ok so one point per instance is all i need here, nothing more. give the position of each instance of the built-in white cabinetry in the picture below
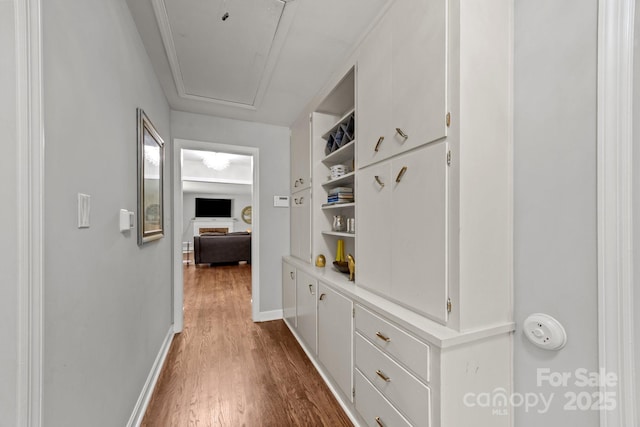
(300, 200)
(306, 297)
(289, 294)
(402, 236)
(429, 88)
(300, 156)
(402, 81)
(335, 334)
(300, 233)
(387, 357)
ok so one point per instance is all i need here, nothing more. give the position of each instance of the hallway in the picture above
(225, 370)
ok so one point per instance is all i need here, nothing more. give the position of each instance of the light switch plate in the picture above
(126, 220)
(84, 210)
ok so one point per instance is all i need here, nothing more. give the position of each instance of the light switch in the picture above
(84, 210)
(126, 220)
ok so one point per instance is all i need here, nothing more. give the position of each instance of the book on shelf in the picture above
(339, 199)
(339, 190)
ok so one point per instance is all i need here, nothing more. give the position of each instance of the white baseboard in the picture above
(145, 396)
(266, 316)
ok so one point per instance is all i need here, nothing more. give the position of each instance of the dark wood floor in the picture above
(225, 370)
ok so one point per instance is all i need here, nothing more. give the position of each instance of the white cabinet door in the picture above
(402, 81)
(335, 332)
(418, 258)
(373, 107)
(373, 227)
(419, 80)
(300, 237)
(402, 231)
(289, 294)
(300, 156)
(306, 291)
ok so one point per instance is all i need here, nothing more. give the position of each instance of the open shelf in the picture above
(347, 178)
(338, 205)
(342, 154)
(342, 119)
(338, 233)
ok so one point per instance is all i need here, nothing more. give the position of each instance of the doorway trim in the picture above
(30, 209)
(178, 280)
(614, 204)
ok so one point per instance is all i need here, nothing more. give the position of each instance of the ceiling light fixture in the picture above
(216, 161)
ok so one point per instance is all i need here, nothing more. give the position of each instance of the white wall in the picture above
(107, 301)
(555, 194)
(273, 143)
(239, 201)
(8, 217)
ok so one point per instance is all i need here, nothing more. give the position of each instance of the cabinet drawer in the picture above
(406, 349)
(373, 407)
(403, 390)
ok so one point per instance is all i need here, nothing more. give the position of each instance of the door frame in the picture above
(178, 280)
(614, 205)
(30, 210)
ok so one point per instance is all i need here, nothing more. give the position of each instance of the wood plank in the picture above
(225, 370)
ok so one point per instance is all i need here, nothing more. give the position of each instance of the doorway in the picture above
(183, 232)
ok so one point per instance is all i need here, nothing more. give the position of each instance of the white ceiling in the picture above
(197, 178)
(263, 63)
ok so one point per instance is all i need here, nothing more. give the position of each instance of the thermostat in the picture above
(280, 201)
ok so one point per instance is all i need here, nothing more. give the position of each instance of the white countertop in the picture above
(427, 329)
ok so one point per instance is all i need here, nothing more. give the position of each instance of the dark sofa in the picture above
(211, 248)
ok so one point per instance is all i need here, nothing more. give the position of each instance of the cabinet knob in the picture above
(291, 274)
(380, 183)
(383, 376)
(401, 173)
(296, 183)
(401, 133)
(311, 290)
(301, 200)
(322, 296)
(301, 181)
(379, 422)
(378, 144)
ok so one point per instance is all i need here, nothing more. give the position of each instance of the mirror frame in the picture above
(145, 127)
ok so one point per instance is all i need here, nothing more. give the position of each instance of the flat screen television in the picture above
(213, 208)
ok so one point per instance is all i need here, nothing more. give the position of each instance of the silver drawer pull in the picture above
(301, 199)
(401, 133)
(380, 183)
(311, 290)
(322, 296)
(297, 182)
(291, 274)
(383, 376)
(378, 144)
(301, 181)
(379, 421)
(383, 337)
(401, 173)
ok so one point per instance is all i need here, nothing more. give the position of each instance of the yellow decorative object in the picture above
(321, 261)
(352, 267)
(340, 251)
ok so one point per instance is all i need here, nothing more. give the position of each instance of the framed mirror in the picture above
(150, 181)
